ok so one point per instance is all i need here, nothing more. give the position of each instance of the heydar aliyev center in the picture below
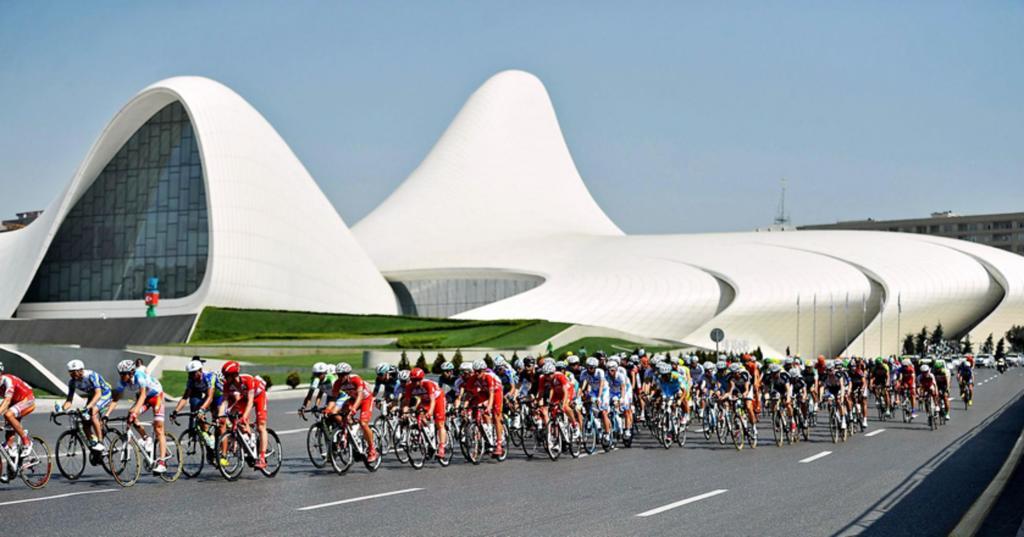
(190, 184)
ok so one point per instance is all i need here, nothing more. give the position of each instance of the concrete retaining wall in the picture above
(98, 333)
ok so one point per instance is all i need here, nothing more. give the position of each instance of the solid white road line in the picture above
(877, 431)
(292, 431)
(816, 457)
(359, 499)
(58, 496)
(681, 503)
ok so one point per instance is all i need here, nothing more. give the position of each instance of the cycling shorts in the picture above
(195, 402)
(834, 390)
(23, 408)
(439, 409)
(365, 411)
(259, 405)
(156, 403)
(600, 400)
(625, 401)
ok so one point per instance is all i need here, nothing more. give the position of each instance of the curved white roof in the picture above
(275, 240)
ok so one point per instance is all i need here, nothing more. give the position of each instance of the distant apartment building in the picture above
(22, 220)
(1005, 231)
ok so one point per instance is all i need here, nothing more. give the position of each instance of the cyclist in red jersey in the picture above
(360, 400)
(755, 375)
(927, 384)
(17, 402)
(431, 398)
(907, 382)
(245, 393)
(489, 393)
(555, 388)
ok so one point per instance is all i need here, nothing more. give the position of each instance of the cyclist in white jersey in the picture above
(150, 396)
(594, 384)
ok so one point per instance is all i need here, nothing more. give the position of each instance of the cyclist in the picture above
(965, 374)
(90, 385)
(879, 382)
(810, 376)
(835, 389)
(386, 383)
(942, 383)
(356, 400)
(927, 385)
(555, 388)
(489, 394)
(741, 388)
(619, 387)
(907, 382)
(244, 393)
(16, 401)
(447, 381)
(595, 386)
(671, 386)
(321, 384)
(431, 400)
(858, 374)
(150, 396)
(800, 388)
(204, 392)
(779, 385)
(754, 370)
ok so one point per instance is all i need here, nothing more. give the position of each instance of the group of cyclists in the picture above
(627, 389)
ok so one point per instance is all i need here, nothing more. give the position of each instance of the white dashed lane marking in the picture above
(813, 458)
(359, 499)
(681, 503)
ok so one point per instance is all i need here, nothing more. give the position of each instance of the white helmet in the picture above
(925, 368)
(319, 368)
(447, 366)
(479, 365)
(592, 362)
(76, 365)
(344, 368)
(466, 367)
(332, 369)
(664, 369)
(548, 368)
(572, 360)
(196, 365)
(499, 361)
(613, 363)
(383, 369)
(403, 375)
(126, 366)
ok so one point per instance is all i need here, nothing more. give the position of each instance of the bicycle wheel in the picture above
(37, 466)
(316, 445)
(382, 436)
(590, 436)
(515, 430)
(71, 454)
(575, 440)
(230, 456)
(193, 452)
(273, 454)
(736, 429)
(777, 428)
(552, 440)
(124, 459)
(722, 426)
(173, 460)
(400, 440)
(707, 422)
(416, 447)
(341, 456)
(530, 444)
(475, 440)
(750, 432)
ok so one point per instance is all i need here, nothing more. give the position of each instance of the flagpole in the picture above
(899, 315)
(863, 324)
(831, 314)
(814, 326)
(846, 322)
(798, 325)
(881, 326)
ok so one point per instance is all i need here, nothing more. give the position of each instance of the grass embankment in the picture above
(221, 325)
(276, 368)
(606, 344)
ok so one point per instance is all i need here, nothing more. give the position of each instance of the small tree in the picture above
(987, 347)
(489, 361)
(269, 381)
(1015, 337)
(293, 380)
(757, 352)
(908, 344)
(966, 346)
(457, 359)
(921, 342)
(1001, 349)
(403, 362)
(515, 356)
(438, 362)
(937, 334)
(421, 362)
(787, 351)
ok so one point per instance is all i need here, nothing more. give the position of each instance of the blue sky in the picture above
(681, 116)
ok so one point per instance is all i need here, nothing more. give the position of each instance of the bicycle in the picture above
(348, 445)
(965, 395)
(73, 447)
(390, 435)
(781, 424)
(883, 409)
(835, 420)
(34, 468)
(197, 446)
(127, 454)
(593, 428)
(318, 437)
(742, 427)
(930, 409)
(667, 426)
(478, 435)
(561, 434)
(616, 417)
(422, 443)
(533, 430)
(237, 449)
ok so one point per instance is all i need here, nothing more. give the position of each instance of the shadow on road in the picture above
(932, 499)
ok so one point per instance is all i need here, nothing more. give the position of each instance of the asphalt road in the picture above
(904, 480)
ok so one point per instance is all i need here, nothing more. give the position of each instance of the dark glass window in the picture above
(145, 215)
(444, 298)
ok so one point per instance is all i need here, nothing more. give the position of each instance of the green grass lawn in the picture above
(276, 368)
(221, 325)
(606, 344)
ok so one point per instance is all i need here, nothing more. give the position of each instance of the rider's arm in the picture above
(209, 397)
(7, 401)
(184, 399)
(71, 395)
(250, 398)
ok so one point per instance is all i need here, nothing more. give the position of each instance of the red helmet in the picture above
(416, 374)
(230, 368)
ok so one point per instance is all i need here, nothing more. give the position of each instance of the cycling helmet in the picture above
(709, 366)
(641, 352)
(231, 367)
(519, 364)
(721, 365)
(529, 361)
(403, 376)
(664, 369)
(466, 367)
(572, 360)
(634, 359)
(925, 368)
(798, 362)
(591, 362)
(906, 362)
(940, 364)
(479, 365)
(499, 361)
(561, 365)
(774, 368)
(383, 369)
(569, 353)
(76, 365)
(417, 374)
(794, 373)
(196, 365)
(612, 363)
(319, 368)
(830, 364)
(548, 368)
(332, 369)
(126, 366)
(344, 368)
(447, 366)
(734, 367)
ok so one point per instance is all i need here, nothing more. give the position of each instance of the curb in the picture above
(980, 509)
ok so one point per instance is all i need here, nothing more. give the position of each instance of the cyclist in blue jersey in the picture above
(595, 386)
(90, 385)
(204, 392)
(150, 395)
(619, 387)
(965, 375)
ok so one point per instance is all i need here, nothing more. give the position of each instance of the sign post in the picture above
(717, 335)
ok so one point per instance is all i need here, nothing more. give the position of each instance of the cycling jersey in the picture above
(941, 380)
(671, 386)
(325, 385)
(965, 371)
(596, 385)
(385, 385)
(141, 382)
(880, 374)
(353, 386)
(507, 377)
(779, 383)
(15, 388)
(197, 388)
(559, 385)
(927, 380)
(88, 384)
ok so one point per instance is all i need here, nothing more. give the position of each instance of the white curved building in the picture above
(190, 184)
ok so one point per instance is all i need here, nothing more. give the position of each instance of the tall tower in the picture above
(781, 218)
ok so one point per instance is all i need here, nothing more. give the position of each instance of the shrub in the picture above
(293, 380)
(403, 363)
(489, 361)
(270, 382)
(438, 362)
(457, 359)
(421, 362)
